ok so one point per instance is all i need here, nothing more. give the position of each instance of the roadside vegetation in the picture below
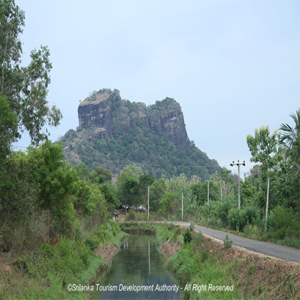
(202, 262)
(222, 212)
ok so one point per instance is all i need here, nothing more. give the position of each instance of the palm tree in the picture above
(290, 139)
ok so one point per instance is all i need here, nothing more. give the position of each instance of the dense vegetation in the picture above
(156, 156)
(41, 196)
(47, 272)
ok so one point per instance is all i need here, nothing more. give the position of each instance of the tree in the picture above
(128, 184)
(167, 203)
(24, 87)
(199, 191)
(82, 171)
(82, 202)
(145, 181)
(264, 150)
(290, 139)
(56, 183)
(100, 175)
(157, 191)
(109, 192)
(8, 127)
(129, 191)
(263, 146)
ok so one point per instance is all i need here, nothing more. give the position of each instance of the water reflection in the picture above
(137, 265)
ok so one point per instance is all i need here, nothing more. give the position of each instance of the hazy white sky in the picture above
(232, 65)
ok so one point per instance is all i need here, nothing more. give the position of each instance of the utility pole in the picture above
(148, 203)
(221, 194)
(208, 192)
(182, 206)
(267, 207)
(239, 188)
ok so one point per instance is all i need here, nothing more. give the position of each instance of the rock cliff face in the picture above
(105, 112)
(95, 112)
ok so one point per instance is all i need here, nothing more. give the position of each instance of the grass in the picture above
(193, 265)
(47, 272)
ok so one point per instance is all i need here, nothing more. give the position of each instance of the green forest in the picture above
(44, 197)
(140, 146)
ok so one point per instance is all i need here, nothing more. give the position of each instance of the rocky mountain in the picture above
(99, 111)
(113, 133)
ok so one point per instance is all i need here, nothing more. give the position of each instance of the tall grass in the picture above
(46, 272)
(196, 267)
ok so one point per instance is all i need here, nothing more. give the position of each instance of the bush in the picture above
(175, 234)
(204, 254)
(248, 215)
(223, 211)
(192, 226)
(92, 242)
(131, 216)
(227, 242)
(234, 218)
(219, 223)
(187, 236)
(198, 237)
(280, 221)
(171, 226)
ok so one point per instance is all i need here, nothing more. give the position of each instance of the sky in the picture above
(233, 66)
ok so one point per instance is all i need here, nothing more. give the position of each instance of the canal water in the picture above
(137, 272)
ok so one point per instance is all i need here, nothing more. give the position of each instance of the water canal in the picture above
(139, 265)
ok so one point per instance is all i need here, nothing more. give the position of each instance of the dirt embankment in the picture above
(168, 249)
(106, 252)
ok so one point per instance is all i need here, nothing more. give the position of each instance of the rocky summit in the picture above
(164, 117)
(113, 133)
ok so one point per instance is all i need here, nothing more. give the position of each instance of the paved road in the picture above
(282, 252)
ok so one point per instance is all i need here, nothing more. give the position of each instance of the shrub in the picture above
(171, 226)
(204, 255)
(223, 211)
(219, 223)
(131, 216)
(279, 222)
(248, 215)
(92, 242)
(192, 226)
(175, 234)
(234, 218)
(198, 237)
(187, 236)
(227, 242)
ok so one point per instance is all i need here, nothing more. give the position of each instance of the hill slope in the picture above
(113, 133)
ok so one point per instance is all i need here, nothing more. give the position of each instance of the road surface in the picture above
(269, 249)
